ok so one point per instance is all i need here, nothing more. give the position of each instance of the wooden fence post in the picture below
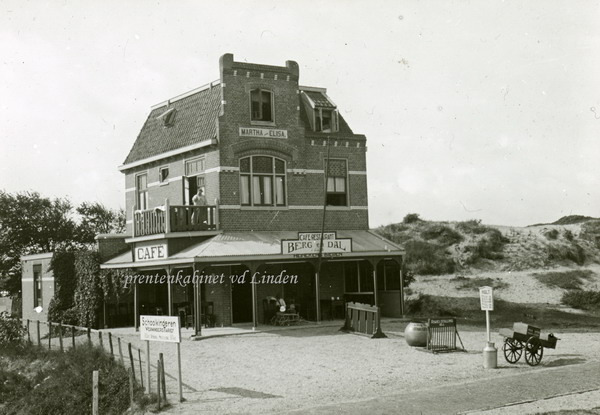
(121, 351)
(28, 334)
(162, 377)
(112, 352)
(60, 336)
(73, 336)
(49, 335)
(131, 360)
(100, 339)
(158, 382)
(141, 372)
(89, 335)
(131, 375)
(95, 393)
(39, 337)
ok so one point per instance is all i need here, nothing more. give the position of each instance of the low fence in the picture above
(363, 319)
(442, 335)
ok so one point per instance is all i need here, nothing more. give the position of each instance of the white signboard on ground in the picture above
(487, 298)
(160, 329)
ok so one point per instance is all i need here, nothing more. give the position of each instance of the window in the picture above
(388, 275)
(37, 285)
(163, 174)
(261, 105)
(168, 117)
(357, 279)
(262, 181)
(337, 194)
(194, 166)
(326, 120)
(142, 191)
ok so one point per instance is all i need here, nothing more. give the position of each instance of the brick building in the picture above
(231, 180)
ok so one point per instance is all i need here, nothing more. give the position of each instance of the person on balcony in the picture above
(198, 200)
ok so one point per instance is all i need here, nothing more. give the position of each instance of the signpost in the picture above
(162, 329)
(490, 356)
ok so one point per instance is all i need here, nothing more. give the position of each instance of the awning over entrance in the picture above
(271, 246)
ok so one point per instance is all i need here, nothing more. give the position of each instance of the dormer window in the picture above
(168, 117)
(323, 114)
(261, 105)
(326, 120)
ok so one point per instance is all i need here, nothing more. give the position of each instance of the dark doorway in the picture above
(241, 297)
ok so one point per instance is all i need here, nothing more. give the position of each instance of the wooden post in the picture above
(136, 317)
(131, 379)
(141, 372)
(100, 339)
(110, 344)
(158, 382)
(49, 335)
(39, 337)
(179, 381)
(318, 296)
(28, 334)
(131, 359)
(148, 366)
(121, 351)
(162, 376)
(60, 336)
(169, 292)
(73, 336)
(95, 392)
(89, 335)
(167, 216)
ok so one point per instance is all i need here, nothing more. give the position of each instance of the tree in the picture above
(95, 218)
(30, 224)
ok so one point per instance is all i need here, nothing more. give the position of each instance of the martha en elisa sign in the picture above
(262, 132)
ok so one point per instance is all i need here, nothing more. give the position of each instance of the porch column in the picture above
(399, 261)
(135, 306)
(197, 304)
(253, 267)
(378, 334)
(169, 292)
(318, 294)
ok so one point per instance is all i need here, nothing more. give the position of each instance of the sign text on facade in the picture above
(262, 132)
(308, 245)
(149, 252)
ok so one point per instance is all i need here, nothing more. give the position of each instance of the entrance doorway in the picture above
(241, 298)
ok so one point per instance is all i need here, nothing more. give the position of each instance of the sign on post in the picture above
(162, 329)
(487, 298)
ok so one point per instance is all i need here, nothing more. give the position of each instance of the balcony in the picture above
(167, 219)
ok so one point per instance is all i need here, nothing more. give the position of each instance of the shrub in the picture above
(412, 218)
(568, 280)
(568, 235)
(573, 252)
(425, 258)
(552, 234)
(445, 235)
(490, 246)
(591, 231)
(12, 332)
(472, 226)
(427, 305)
(586, 300)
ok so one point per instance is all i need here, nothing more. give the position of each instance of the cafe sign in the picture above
(308, 245)
(150, 252)
(262, 132)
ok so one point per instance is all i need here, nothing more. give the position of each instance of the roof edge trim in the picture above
(186, 94)
(171, 153)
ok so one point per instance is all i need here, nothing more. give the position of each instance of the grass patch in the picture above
(464, 283)
(568, 280)
(443, 234)
(37, 381)
(573, 252)
(584, 300)
(490, 246)
(428, 258)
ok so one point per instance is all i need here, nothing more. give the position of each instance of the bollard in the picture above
(490, 356)
(73, 336)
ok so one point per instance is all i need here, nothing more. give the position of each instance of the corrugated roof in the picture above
(194, 122)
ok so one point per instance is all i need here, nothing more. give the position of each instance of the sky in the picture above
(480, 109)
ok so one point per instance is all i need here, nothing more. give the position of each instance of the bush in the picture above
(552, 234)
(412, 218)
(425, 258)
(445, 235)
(573, 252)
(490, 246)
(427, 305)
(568, 235)
(568, 280)
(472, 226)
(586, 300)
(12, 333)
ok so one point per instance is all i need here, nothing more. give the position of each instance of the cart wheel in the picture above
(513, 349)
(533, 352)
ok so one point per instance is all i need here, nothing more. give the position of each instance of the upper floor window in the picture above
(37, 285)
(326, 120)
(163, 174)
(262, 181)
(337, 190)
(142, 191)
(194, 166)
(261, 105)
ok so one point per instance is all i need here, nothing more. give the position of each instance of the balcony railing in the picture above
(166, 219)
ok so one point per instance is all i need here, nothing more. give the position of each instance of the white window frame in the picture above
(252, 182)
(259, 121)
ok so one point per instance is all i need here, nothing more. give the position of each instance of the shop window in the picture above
(388, 276)
(337, 189)
(163, 174)
(261, 105)
(262, 181)
(357, 279)
(37, 285)
(142, 191)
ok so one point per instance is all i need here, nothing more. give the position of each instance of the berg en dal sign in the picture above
(308, 243)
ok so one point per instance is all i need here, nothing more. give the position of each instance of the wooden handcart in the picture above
(526, 339)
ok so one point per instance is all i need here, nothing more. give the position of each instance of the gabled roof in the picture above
(193, 121)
